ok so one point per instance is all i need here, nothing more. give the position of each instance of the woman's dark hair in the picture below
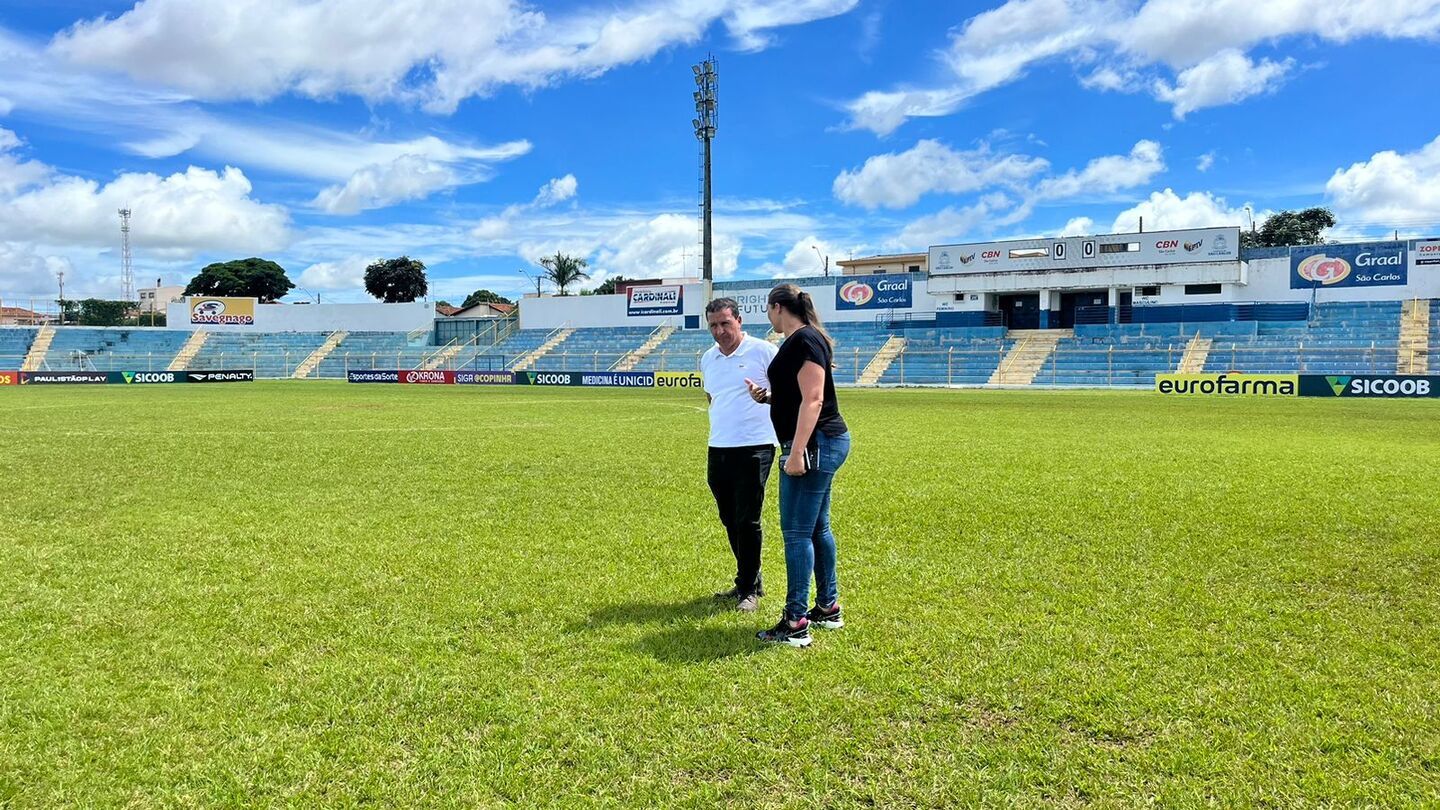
(797, 302)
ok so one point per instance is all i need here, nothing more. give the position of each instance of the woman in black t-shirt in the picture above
(814, 443)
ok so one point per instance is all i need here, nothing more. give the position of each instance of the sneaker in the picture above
(828, 618)
(748, 603)
(783, 632)
(735, 593)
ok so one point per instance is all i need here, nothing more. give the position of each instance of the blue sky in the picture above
(479, 135)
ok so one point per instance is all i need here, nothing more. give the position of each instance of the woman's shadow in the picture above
(683, 632)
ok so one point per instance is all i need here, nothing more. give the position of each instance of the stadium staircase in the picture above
(445, 356)
(661, 334)
(880, 363)
(1414, 356)
(1196, 352)
(311, 363)
(192, 347)
(555, 339)
(36, 356)
(1028, 356)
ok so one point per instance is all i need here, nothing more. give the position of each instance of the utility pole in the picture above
(61, 274)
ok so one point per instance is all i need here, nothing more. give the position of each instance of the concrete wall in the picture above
(375, 317)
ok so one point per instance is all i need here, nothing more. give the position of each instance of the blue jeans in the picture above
(805, 522)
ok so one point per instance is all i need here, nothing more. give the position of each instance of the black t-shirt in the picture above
(784, 373)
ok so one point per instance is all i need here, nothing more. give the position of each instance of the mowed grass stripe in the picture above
(330, 594)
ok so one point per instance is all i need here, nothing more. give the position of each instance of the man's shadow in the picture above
(681, 634)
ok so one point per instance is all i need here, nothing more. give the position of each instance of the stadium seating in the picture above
(14, 344)
(111, 348)
(1349, 337)
(270, 354)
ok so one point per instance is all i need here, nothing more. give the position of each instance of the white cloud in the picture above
(806, 258)
(1182, 33)
(993, 48)
(175, 216)
(1116, 40)
(896, 180)
(25, 273)
(557, 191)
(346, 274)
(952, 224)
(665, 245)
(1225, 78)
(17, 174)
(1205, 162)
(551, 194)
(1079, 226)
(408, 177)
(1107, 174)
(438, 52)
(1167, 211)
(1390, 189)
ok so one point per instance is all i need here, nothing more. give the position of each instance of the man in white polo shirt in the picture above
(742, 441)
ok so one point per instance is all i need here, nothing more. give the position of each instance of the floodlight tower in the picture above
(127, 273)
(707, 94)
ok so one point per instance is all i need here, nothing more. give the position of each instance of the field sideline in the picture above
(321, 594)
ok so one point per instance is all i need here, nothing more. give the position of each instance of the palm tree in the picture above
(562, 270)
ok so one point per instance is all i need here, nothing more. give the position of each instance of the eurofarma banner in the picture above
(9, 378)
(1370, 264)
(874, 292)
(656, 299)
(222, 311)
(1248, 385)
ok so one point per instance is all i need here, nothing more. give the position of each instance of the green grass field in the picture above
(319, 594)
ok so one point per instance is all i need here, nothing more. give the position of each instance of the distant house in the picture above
(483, 310)
(446, 310)
(16, 316)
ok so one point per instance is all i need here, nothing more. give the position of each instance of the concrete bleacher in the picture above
(948, 356)
(111, 348)
(14, 345)
(371, 350)
(1349, 337)
(683, 349)
(270, 354)
(596, 348)
(503, 354)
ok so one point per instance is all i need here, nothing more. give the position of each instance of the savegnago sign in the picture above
(222, 311)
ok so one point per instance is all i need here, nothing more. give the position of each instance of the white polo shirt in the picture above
(736, 420)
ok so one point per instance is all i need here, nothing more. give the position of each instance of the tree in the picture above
(607, 287)
(443, 304)
(69, 310)
(1290, 228)
(96, 312)
(484, 297)
(396, 281)
(562, 271)
(242, 278)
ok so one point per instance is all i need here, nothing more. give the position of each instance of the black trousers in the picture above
(737, 477)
